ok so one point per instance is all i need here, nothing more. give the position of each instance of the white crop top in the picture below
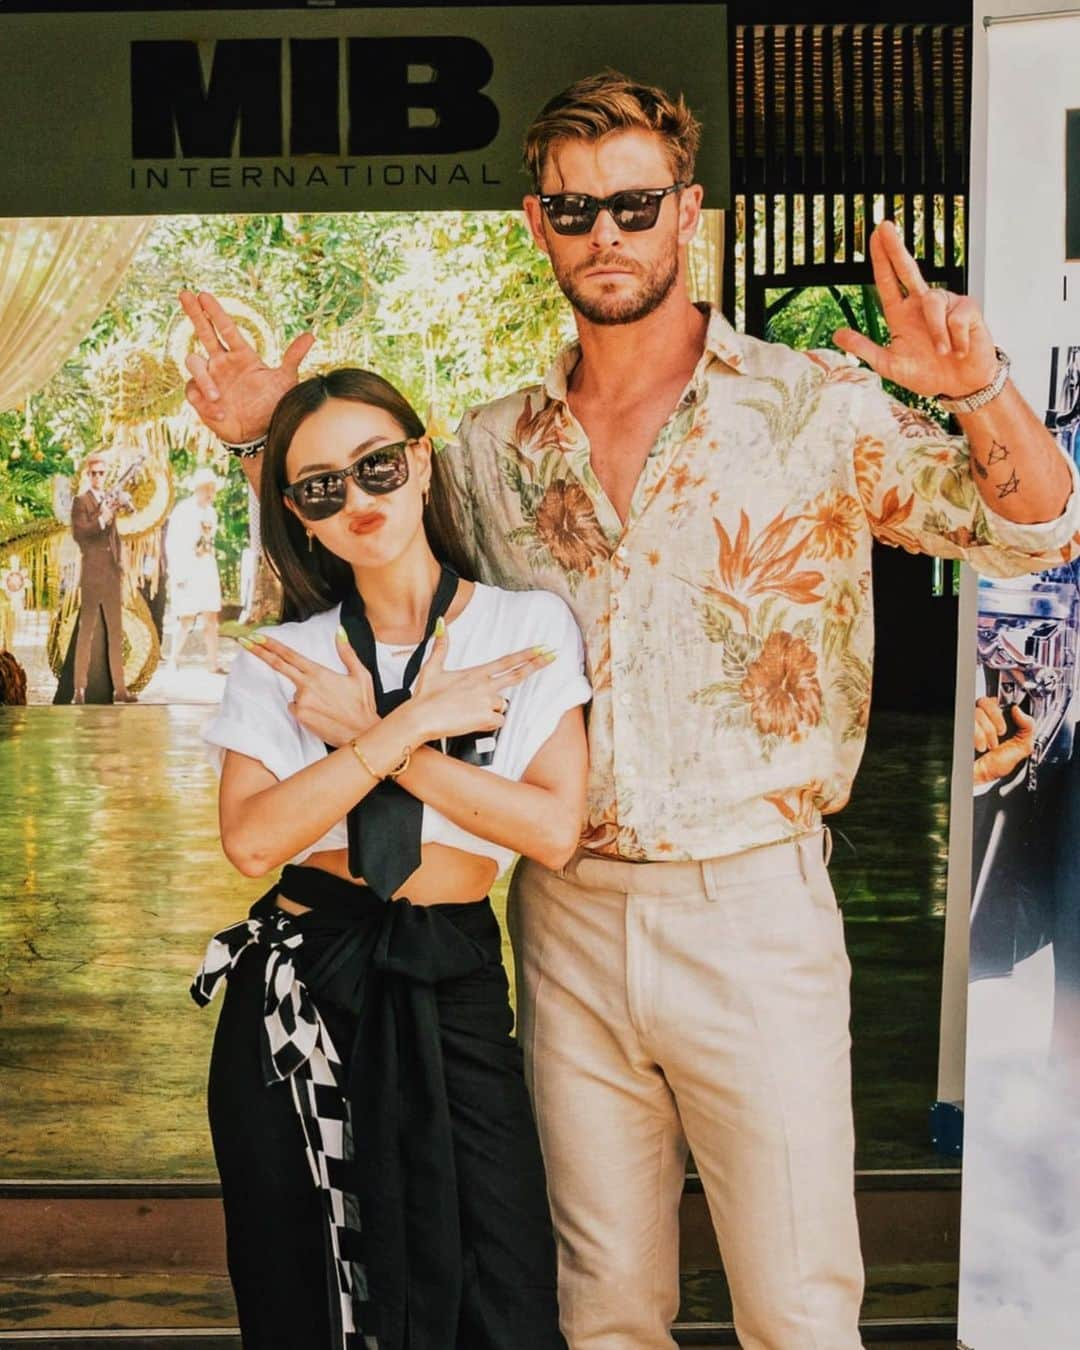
(254, 719)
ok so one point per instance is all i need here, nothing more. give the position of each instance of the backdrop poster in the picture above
(1020, 1238)
(379, 145)
(378, 108)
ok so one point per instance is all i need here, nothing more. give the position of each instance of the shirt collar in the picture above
(722, 343)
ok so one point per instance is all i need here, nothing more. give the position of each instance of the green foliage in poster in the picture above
(453, 307)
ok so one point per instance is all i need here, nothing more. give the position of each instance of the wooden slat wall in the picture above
(835, 125)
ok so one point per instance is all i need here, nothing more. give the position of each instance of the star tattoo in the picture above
(997, 453)
(1010, 485)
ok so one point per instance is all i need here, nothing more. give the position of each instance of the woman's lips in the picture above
(365, 524)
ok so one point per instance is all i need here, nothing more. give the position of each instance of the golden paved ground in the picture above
(111, 880)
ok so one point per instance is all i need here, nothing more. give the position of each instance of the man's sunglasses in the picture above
(322, 495)
(631, 210)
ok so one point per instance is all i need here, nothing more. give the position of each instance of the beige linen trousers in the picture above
(704, 1004)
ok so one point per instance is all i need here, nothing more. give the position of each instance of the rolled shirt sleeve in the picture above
(253, 719)
(917, 489)
(539, 703)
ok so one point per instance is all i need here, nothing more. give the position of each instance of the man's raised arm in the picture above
(940, 345)
(232, 389)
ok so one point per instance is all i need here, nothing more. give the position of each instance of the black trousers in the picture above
(274, 1216)
(101, 599)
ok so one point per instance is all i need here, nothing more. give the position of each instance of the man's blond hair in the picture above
(598, 105)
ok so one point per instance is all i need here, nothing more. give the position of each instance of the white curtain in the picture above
(56, 276)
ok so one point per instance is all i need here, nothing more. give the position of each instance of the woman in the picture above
(193, 570)
(367, 1021)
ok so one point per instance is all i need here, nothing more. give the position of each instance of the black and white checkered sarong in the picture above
(297, 1047)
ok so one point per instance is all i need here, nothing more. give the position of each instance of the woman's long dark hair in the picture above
(315, 580)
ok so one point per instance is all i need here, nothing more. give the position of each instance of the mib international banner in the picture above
(359, 109)
(1020, 1240)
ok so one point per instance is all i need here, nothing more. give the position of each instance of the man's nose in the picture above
(605, 233)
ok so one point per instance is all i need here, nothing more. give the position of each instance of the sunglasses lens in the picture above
(634, 210)
(384, 470)
(320, 496)
(571, 212)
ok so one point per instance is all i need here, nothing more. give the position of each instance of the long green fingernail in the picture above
(550, 656)
(440, 627)
(541, 651)
(246, 643)
(342, 636)
(257, 637)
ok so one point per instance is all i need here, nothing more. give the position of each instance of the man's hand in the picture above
(998, 757)
(232, 389)
(332, 706)
(939, 342)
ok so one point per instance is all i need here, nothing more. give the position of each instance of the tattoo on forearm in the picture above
(997, 453)
(980, 469)
(1010, 485)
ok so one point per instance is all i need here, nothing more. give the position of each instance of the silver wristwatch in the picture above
(981, 397)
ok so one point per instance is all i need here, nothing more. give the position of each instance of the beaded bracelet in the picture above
(246, 449)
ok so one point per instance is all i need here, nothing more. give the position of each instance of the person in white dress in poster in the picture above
(193, 571)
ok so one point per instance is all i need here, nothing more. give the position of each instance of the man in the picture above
(706, 503)
(93, 525)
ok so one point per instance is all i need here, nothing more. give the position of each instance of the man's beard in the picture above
(655, 286)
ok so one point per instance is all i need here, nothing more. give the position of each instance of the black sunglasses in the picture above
(322, 495)
(632, 209)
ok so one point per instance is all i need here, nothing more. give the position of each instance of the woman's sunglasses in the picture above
(632, 210)
(322, 495)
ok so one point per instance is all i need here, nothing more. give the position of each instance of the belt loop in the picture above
(707, 873)
(826, 843)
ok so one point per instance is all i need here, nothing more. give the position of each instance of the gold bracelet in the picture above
(364, 761)
(402, 764)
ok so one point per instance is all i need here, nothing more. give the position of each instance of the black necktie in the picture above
(384, 828)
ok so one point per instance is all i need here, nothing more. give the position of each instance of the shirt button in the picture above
(626, 699)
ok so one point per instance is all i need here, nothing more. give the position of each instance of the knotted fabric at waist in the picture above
(381, 1100)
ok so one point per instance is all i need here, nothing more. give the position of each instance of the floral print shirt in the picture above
(728, 625)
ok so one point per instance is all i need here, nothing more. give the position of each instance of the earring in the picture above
(426, 495)
(310, 542)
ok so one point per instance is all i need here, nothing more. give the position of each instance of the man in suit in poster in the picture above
(93, 526)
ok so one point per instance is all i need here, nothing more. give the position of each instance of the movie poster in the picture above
(355, 173)
(1020, 1248)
